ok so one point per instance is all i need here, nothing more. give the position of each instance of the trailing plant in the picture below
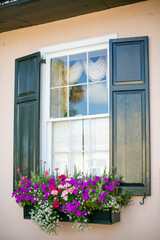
(75, 196)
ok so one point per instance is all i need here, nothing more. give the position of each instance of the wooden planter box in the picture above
(99, 217)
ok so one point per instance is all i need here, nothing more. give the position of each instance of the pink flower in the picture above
(18, 170)
(24, 177)
(44, 162)
(64, 193)
(60, 186)
(56, 169)
(70, 190)
(65, 198)
(46, 173)
(54, 192)
(67, 185)
(70, 176)
(40, 160)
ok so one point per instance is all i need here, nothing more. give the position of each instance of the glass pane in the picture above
(60, 142)
(97, 65)
(99, 161)
(86, 135)
(60, 160)
(98, 98)
(76, 160)
(58, 72)
(78, 100)
(76, 136)
(58, 102)
(77, 69)
(100, 134)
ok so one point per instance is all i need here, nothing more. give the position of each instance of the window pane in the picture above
(100, 134)
(76, 136)
(99, 160)
(58, 72)
(58, 102)
(60, 160)
(78, 100)
(97, 65)
(60, 137)
(98, 98)
(77, 69)
(76, 159)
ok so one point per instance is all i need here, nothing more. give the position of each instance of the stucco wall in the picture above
(141, 19)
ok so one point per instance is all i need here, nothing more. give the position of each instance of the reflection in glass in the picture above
(60, 160)
(99, 134)
(58, 102)
(97, 65)
(78, 100)
(98, 98)
(77, 69)
(58, 72)
(60, 133)
(99, 161)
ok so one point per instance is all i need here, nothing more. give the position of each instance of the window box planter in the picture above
(98, 217)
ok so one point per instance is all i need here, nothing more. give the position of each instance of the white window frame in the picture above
(47, 53)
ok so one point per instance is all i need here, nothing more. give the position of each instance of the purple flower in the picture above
(97, 202)
(78, 213)
(28, 182)
(85, 184)
(84, 213)
(74, 201)
(63, 207)
(43, 185)
(22, 197)
(109, 187)
(73, 208)
(68, 205)
(87, 191)
(68, 209)
(81, 186)
(94, 183)
(18, 200)
(105, 180)
(75, 191)
(104, 193)
(116, 182)
(93, 191)
(27, 198)
(36, 185)
(85, 196)
(78, 204)
(97, 178)
(102, 198)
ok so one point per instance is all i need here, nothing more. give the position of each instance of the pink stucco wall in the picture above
(141, 19)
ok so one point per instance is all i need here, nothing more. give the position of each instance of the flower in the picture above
(56, 169)
(40, 160)
(78, 213)
(18, 170)
(73, 196)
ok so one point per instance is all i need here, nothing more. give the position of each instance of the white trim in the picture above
(77, 44)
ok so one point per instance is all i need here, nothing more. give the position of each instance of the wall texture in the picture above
(141, 19)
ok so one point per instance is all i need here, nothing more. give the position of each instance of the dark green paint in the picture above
(27, 114)
(129, 111)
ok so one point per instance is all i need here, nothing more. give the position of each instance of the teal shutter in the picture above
(129, 113)
(26, 114)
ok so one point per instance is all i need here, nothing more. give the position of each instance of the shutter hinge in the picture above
(42, 60)
(144, 196)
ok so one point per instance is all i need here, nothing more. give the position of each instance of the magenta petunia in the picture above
(78, 213)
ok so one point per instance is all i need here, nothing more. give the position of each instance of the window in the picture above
(78, 125)
(77, 109)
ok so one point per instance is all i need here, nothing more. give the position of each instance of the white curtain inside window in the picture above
(96, 70)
